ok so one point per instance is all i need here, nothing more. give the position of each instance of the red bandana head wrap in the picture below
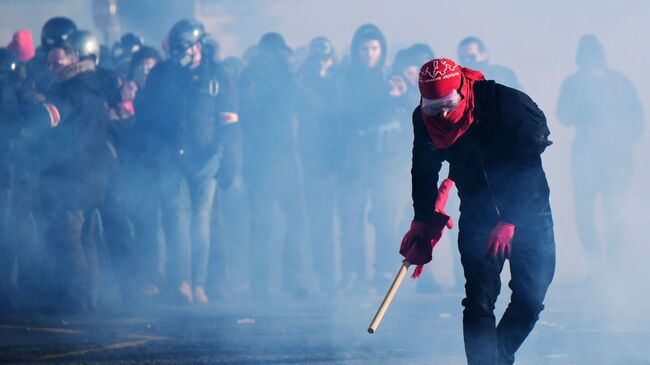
(439, 78)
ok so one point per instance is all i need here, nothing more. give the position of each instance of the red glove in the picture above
(417, 244)
(500, 240)
(441, 202)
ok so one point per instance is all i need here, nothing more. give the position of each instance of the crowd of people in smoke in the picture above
(114, 163)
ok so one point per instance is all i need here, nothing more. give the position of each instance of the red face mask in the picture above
(447, 105)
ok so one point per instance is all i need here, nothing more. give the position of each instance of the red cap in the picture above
(22, 45)
(439, 77)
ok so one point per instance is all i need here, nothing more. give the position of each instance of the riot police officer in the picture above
(54, 33)
(190, 105)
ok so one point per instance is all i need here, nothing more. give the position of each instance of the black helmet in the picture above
(126, 47)
(271, 42)
(321, 47)
(55, 32)
(85, 44)
(185, 34)
(8, 62)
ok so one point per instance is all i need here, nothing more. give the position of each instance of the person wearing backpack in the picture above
(493, 137)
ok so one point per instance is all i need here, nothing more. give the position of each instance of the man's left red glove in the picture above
(500, 240)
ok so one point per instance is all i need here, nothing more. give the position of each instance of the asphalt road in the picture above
(576, 328)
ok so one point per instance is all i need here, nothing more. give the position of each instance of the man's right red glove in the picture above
(417, 244)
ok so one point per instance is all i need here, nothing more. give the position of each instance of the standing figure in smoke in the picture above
(190, 105)
(54, 33)
(604, 108)
(270, 165)
(473, 53)
(366, 118)
(11, 249)
(318, 144)
(492, 136)
(138, 174)
(74, 161)
(115, 223)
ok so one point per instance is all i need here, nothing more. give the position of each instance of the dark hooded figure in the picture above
(406, 66)
(318, 142)
(604, 108)
(366, 124)
(473, 53)
(492, 136)
(271, 174)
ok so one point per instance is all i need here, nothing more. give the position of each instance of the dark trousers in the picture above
(320, 199)
(270, 183)
(71, 244)
(118, 236)
(532, 264)
(143, 210)
(609, 179)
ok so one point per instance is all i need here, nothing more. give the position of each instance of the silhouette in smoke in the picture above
(116, 226)
(604, 108)
(472, 53)
(405, 70)
(492, 136)
(134, 182)
(318, 142)
(271, 174)
(190, 104)
(366, 120)
(10, 120)
(73, 176)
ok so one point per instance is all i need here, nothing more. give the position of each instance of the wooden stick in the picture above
(389, 297)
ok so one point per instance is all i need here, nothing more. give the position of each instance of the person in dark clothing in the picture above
(138, 175)
(406, 66)
(317, 143)
(367, 124)
(605, 110)
(122, 52)
(9, 123)
(116, 232)
(492, 136)
(190, 106)
(19, 174)
(473, 53)
(53, 34)
(74, 160)
(271, 169)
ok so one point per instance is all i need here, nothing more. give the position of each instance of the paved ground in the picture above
(418, 329)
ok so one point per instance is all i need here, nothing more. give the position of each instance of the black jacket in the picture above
(181, 114)
(268, 93)
(74, 152)
(496, 164)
